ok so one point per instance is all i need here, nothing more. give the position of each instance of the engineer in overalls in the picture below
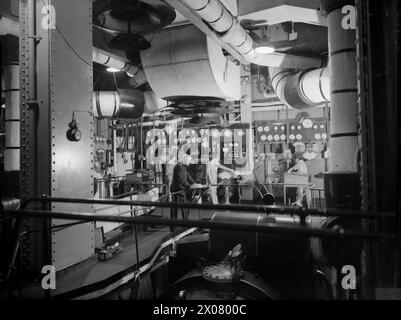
(182, 181)
(212, 168)
(170, 165)
(301, 168)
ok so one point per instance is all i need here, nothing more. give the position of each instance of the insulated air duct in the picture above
(121, 104)
(185, 62)
(301, 90)
(230, 31)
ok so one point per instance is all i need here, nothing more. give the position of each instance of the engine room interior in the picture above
(200, 150)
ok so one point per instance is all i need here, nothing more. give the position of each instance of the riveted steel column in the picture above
(56, 51)
(32, 245)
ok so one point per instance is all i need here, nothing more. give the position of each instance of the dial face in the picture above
(307, 123)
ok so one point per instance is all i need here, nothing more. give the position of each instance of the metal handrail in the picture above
(300, 230)
(265, 228)
(279, 210)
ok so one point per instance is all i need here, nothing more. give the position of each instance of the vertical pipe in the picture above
(344, 94)
(342, 183)
(12, 118)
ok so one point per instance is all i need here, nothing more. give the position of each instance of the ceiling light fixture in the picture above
(265, 48)
(111, 69)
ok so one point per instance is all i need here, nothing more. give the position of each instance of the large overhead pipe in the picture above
(342, 183)
(121, 104)
(230, 31)
(301, 90)
(108, 103)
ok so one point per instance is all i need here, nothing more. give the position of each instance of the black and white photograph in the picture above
(216, 151)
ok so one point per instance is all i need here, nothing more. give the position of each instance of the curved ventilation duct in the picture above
(230, 31)
(121, 104)
(185, 62)
(301, 90)
(137, 75)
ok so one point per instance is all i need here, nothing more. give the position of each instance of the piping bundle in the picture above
(185, 62)
(301, 90)
(230, 31)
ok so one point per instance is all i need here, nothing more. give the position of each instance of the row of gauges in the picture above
(293, 137)
(302, 131)
(292, 127)
(283, 137)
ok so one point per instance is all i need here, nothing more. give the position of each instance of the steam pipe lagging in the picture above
(229, 30)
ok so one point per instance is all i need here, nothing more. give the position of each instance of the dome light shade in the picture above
(111, 69)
